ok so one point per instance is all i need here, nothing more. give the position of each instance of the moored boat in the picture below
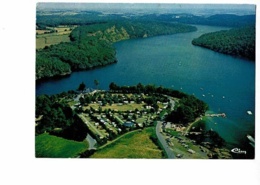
(250, 138)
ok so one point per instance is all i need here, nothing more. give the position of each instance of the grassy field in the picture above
(61, 35)
(50, 39)
(49, 146)
(133, 145)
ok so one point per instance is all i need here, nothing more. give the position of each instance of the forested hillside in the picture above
(56, 117)
(91, 46)
(238, 42)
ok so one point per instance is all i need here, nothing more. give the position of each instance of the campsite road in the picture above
(161, 138)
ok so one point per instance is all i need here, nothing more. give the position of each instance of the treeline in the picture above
(57, 118)
(81, 18)
(188, 109)
(238, 42)
(91, 46)
(228, 20)
(146, 89)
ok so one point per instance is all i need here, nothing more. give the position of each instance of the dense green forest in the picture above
(238, 42)
(57, 118)
(91, 46)
(188, 109)
(228, 20)
(86, 53)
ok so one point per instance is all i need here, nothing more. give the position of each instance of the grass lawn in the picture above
(141, 120)
(132, 145)
(49, 146)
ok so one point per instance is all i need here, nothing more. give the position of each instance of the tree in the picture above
(82, 86)
(183, 114)
(96, 82)
(113, 86)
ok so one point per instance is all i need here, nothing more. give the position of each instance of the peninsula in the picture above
(156, 118)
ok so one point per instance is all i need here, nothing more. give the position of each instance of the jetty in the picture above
(216, 115)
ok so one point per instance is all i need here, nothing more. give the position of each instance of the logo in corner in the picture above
(238, 151)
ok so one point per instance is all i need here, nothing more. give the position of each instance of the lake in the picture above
(225, 83)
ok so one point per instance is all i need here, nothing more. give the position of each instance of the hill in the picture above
(237, 42)
(228, 20)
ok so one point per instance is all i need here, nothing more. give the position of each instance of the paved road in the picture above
(91, 142)
(169, 152)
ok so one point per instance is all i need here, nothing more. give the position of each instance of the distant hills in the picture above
(90, 17)
(228, 20)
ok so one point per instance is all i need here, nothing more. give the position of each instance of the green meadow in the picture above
(48, 146)
(132, 145)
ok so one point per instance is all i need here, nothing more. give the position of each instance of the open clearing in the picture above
(133, 145)
(61, 34)
(55, 147)
(49, 39)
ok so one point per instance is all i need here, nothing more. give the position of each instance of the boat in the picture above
(250, 138)
(249, 112)
(203, 95)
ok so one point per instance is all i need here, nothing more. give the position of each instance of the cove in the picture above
(225, 83)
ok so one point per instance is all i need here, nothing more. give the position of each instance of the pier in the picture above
(216, 115)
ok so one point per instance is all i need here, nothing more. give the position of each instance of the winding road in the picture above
(161, 138)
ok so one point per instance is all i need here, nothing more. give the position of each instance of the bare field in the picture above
(40, 32)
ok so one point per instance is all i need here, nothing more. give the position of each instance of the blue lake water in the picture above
(225, 83)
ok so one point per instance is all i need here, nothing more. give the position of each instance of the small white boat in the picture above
(249, 112)
(203, 95)
(223, 96)
(250, 138)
